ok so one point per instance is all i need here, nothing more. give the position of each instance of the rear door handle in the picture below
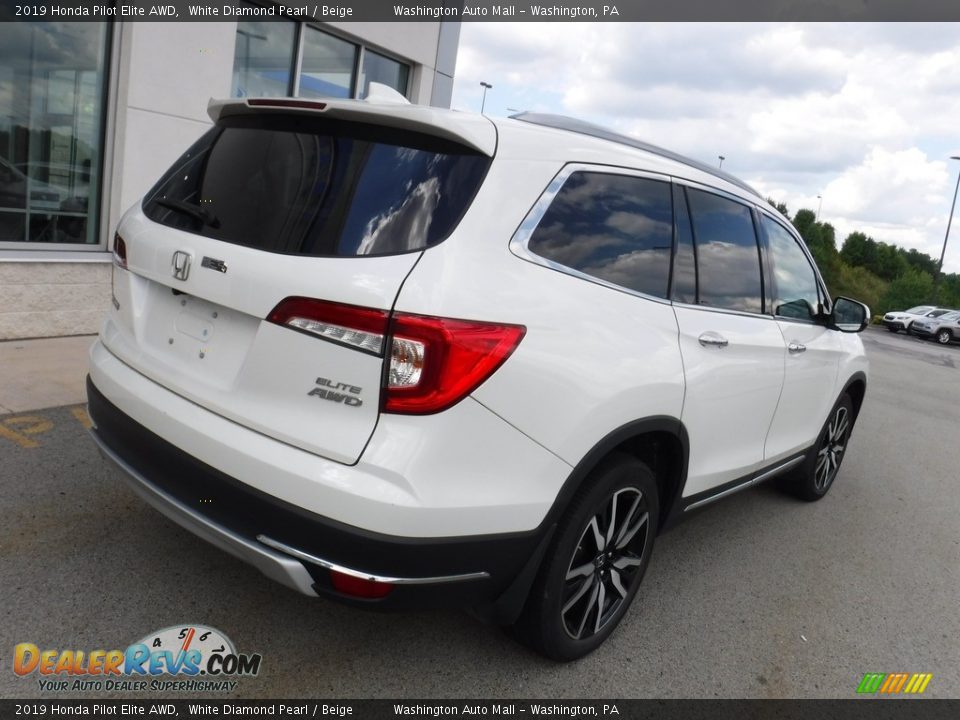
(712, 339)
(796, 348)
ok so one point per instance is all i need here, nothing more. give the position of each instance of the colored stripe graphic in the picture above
(871, 682)
(894, 683)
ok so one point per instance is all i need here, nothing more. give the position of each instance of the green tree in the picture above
(914, 287)
(860, 251)
(890, 262)
(779, 207)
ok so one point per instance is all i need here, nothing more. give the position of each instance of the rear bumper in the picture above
(298, 548)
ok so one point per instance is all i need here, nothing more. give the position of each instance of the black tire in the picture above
(944, 337)
(814, 478)
(595, 562)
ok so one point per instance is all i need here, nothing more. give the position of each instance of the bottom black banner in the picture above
(867, 709)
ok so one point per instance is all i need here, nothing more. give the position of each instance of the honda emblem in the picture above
(181, 265)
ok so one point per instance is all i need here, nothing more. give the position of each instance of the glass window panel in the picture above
(728, 260)
(795, 292)
(616, 228)
(52, 79)
(316, 188)
(263, 58)
(377, 68)
(327, 67)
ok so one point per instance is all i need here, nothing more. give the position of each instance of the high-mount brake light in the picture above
(432, 362)
(357, 327)
(287, 103)
(119, 251)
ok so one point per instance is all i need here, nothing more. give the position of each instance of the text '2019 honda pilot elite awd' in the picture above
(409, 357)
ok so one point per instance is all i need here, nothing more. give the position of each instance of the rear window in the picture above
(308, 186)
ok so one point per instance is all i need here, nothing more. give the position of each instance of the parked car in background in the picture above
(902, 320)
(944, 328)
(407, 357)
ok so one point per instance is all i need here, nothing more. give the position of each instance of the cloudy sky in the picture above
(866, 115)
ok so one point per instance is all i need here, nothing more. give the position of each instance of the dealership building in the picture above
(92, 113)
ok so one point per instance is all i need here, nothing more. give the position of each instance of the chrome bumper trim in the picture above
(276, 566)
(307, 557)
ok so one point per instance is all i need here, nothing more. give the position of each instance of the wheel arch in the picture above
(856, 388)
(660, 441)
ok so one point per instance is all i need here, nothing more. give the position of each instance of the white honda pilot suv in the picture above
(408, 357)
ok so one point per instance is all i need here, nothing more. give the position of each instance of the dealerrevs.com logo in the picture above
(187, 658)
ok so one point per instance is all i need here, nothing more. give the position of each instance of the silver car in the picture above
(944, 328)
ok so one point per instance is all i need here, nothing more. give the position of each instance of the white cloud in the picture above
(862, 114)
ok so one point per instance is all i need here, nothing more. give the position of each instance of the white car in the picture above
(897, 321)
(408, 357)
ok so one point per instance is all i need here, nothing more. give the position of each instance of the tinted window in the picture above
(795, 292)
(684, 262)
(727, 256)
(309, 187)
(613, 227)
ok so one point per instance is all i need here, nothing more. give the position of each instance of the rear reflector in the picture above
(356, 327)
(359, 587)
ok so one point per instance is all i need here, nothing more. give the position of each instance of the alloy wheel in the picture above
(832, 448)
(943, 337)
(605, 564)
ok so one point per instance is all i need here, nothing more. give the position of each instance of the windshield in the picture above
(937, 313)
(920, 310)
(308, 186)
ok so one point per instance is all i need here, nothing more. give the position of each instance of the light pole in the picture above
(722, 158)
(819, 205)
(949, 220)
(486, 86)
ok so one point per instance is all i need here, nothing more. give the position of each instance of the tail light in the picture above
(119, 252)
(357, 327)
(433, 362)
(436, 362)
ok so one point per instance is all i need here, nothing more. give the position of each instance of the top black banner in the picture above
(483, 10)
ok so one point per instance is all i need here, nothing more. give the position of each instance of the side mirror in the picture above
(848, 316)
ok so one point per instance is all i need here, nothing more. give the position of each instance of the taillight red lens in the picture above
(119, 252)
(436, 362)
(432, 362)
(357, 327)
(359, 587)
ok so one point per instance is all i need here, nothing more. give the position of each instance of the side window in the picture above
(616, 228)
(728, 257)
(795, 292)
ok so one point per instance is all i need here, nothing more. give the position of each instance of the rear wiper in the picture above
(197, 213)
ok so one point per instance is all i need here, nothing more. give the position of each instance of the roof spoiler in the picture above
(382, 107)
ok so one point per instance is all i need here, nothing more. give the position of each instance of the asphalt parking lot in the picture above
(758, 596)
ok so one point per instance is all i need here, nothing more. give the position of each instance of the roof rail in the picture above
(562, 122)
